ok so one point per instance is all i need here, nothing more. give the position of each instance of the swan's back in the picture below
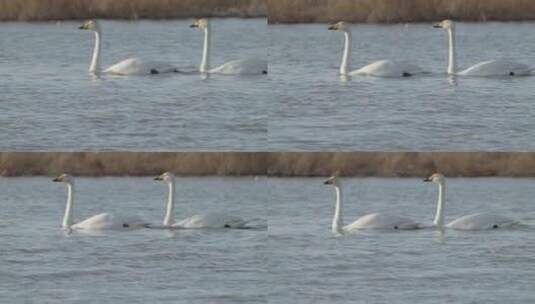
(137, 66)
(108, 221)
(382, 221)
(243, 67)
(481, 221)
(211, 220)
(497, 68)
(388, 68)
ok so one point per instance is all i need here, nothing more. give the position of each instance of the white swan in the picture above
(103, 221)
(369, 221)
(477, 221)
(483, 69)
(381, 68)
(208, 220)
(131, 66)
(235, 67)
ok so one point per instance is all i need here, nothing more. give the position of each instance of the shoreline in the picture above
(276, 164)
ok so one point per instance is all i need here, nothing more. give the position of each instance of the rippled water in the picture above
(38, 262)
(315, 110)
(308, 264)
(48, 100)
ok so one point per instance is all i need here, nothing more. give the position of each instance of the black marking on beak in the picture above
(154, 71)
(427, 179)
(332, 27)
(193, 25)
(437, 25)
(57, 179)
(81, 27)
(158, 178)
(406, 74)
(327, 182)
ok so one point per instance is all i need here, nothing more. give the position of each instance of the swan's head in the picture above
(436, 178)
(333, 180)
(166, 177)
(340, 26)
(65, 178)
(201, 24)
(446, 24)
(91, 25)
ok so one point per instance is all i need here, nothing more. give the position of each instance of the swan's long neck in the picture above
(67, 218)
(344, 67)
(170, 213)
(337, 220)
(95, 62)
(452, 65)
(205, 63)
(439, 215)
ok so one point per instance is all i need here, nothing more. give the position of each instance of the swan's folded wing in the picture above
(388, 68)
(382, 221)
(107, 221)
(211, 220)
(481, 221)
(497, 68)
(137, 66)
(242, 67)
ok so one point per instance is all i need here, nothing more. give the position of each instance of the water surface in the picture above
(308, 264)
(49, 101)
(315, 110)
(39, 261)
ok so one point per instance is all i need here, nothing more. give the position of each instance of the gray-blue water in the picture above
(40, 263)
(308, 264)
(48, 100)
(314, 110)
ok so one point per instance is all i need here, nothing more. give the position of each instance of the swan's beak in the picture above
(327, 182)
(81, 27)
(158, 178)
(57, 179)
(193, 25)
(427, 179)
(332, 27)
(437, 25)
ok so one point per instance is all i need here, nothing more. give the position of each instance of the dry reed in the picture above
(395, 11)
(43, 10)
(382, 164)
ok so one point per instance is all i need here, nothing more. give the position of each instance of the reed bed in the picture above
(396, 11)
(46, 10)
(284, 164)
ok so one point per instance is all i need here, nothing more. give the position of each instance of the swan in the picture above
(103, 221)
(208, 220)
(368, 221)
(483, 69)
(130, 66)
(235, 67)
(477, 221)
(381, 68)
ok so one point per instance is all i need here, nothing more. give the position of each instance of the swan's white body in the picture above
(387, 68)
(381, 68)
(208, 220)
(103, 221)
(107, 221)
(477, 221)
(235, 67)
(131, 66)
(481, 221)
(136, 66)
(369, 221)
(490, 68)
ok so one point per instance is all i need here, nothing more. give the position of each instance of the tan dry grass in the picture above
(382, 164)
(395, 11)
(42, 10)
